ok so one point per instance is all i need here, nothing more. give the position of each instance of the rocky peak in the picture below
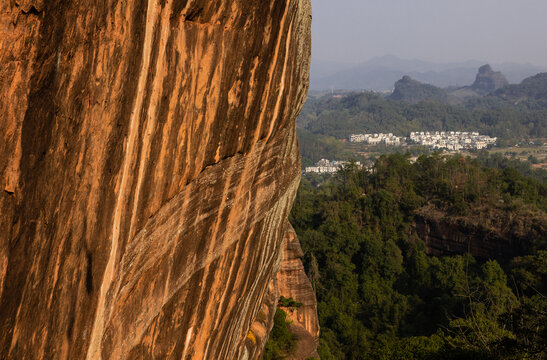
(488, 80)
(406, 79)
(486, 69)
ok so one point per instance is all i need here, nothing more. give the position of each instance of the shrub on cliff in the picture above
(289, 302)
(281, 340)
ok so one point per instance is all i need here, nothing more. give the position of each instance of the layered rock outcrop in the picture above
(493, 233)
(293, 283)
(290, 282)
(148, 161)
(443, 237)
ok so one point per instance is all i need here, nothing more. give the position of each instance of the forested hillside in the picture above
(414, 91)
(532, 88)
(371, 113)
(381, 296)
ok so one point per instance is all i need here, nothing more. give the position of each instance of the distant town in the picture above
(438, 140)
(325, 166)
(449, 140)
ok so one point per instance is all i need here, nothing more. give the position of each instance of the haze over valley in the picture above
(381, 73)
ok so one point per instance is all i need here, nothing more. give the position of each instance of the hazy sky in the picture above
(437, 30)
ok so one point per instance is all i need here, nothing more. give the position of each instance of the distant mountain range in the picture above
(488, 83)
(381, 73)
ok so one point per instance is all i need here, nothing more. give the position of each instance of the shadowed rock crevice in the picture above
(31, 11)
(192, 14)
(89, 273)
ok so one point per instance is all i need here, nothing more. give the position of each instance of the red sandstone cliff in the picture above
(485, 233)
(294, 283)
(291, 281)
(148, 160)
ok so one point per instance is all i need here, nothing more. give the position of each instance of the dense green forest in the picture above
(381, 296)
(370, 112)
(498, 161)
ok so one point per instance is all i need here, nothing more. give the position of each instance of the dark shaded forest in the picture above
(381, 295)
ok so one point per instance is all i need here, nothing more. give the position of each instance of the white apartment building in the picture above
(325, 166)
(375, 139)
(452, 140)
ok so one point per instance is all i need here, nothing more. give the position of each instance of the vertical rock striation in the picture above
(290, 281)
(148, 161)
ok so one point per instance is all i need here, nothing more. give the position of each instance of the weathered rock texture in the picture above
(492, 234)
(148, 160)
(262, 326)
(293, 283)
(443, 237)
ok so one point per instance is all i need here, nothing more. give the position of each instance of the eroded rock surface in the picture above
(148, 160)
(293, 282)
(290, 281)
(259, 332)
(491, 234)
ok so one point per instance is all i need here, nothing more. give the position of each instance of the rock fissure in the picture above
(31, 11)
(192, 15)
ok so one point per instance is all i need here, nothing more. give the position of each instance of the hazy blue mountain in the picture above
(486, 81)
(516, 73)
(381, 73)
(321, 68)
(532, 88)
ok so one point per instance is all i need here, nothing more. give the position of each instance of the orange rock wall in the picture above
(290, 281)
(148, 161)
(293, 282)
(260, 330)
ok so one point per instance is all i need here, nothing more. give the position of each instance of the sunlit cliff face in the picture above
(148, 161)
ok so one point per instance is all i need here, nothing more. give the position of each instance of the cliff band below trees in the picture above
(492, 234)
(148, 161)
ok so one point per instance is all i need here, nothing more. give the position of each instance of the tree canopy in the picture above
(382, 296)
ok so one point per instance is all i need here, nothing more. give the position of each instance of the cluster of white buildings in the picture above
(375, 139)
(325, 166)
(452, 140)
